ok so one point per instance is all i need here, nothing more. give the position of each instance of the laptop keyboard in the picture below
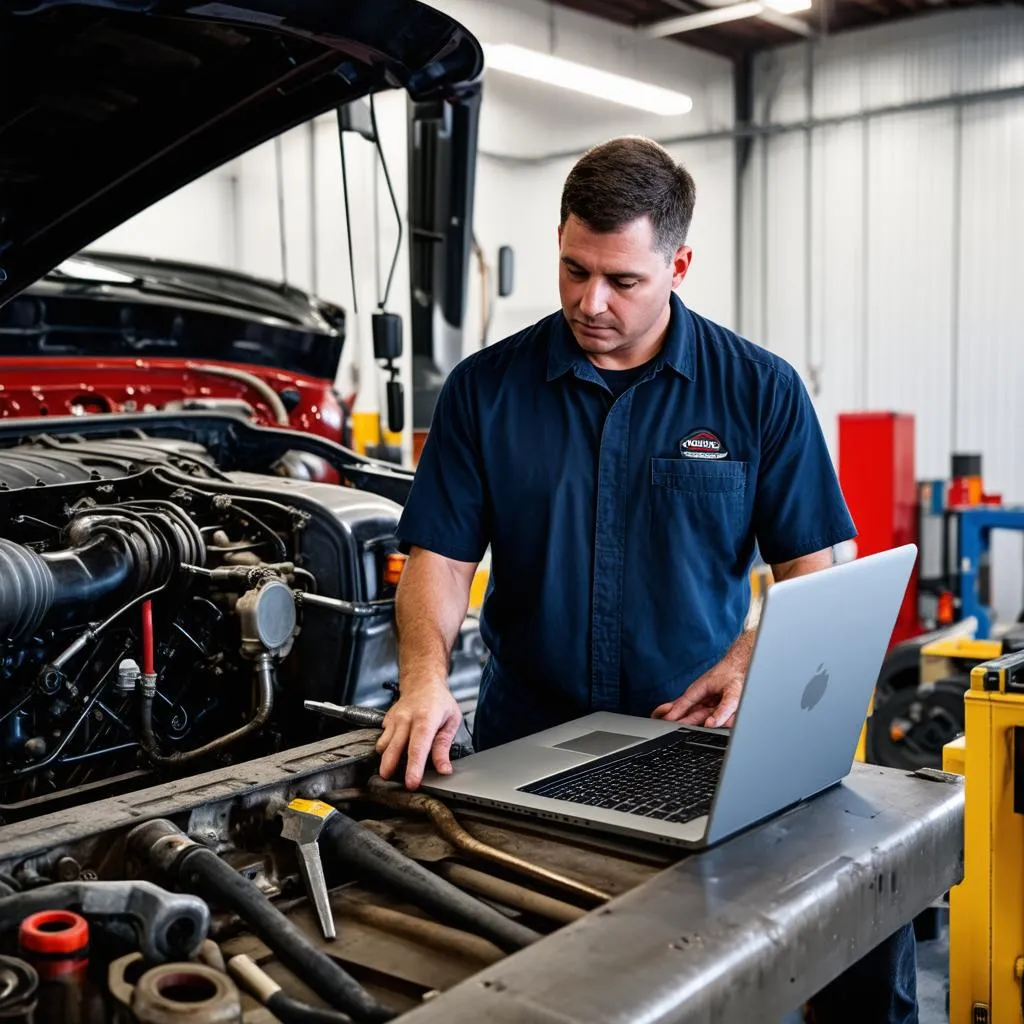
(672, 778)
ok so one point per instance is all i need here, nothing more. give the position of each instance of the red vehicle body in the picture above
(115, 333)
(32, 386)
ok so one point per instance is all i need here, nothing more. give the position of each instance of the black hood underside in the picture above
(106, 107)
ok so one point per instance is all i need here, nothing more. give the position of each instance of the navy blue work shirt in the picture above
(622, 529)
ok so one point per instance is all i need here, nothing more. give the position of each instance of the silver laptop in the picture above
(820, 643)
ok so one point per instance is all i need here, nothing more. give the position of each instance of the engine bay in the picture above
(162, 616)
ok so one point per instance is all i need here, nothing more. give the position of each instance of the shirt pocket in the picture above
(699, 498)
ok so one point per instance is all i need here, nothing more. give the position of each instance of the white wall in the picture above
(231, 216)
(531, 135)
(882, 253)
(195, 223)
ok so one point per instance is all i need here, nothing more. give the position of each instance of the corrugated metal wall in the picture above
(883, 247)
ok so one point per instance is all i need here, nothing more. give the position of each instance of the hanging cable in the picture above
(394, 202)
(348, 211)
(279, 174)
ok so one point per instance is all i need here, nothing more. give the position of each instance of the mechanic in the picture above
(621, 458)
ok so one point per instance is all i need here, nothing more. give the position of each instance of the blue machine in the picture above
(954, 567)
(975, 524)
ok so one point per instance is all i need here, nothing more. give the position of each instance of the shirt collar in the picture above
(678, 350)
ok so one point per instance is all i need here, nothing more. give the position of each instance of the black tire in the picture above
(937, 714)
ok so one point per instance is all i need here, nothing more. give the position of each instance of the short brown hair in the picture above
(618, 181)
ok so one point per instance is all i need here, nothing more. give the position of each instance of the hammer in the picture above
(303, 821)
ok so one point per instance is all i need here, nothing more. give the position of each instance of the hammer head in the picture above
(303, 820)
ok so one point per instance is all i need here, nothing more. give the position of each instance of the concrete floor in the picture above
(933, 974)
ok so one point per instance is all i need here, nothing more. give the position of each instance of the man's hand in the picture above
(710, 700)
(422, 722)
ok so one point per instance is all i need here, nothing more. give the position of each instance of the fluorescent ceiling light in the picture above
(566, 74)
(721, 13)
(788, 6)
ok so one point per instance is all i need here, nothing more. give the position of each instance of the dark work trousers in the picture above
(881, 988)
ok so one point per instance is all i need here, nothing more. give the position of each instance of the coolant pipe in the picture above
(448, 826)
(509, 894)
(420, 930)
(265, 677)
(148, 657)
(163, 845)
(375, 860)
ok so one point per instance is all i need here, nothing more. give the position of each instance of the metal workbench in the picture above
(742, 932)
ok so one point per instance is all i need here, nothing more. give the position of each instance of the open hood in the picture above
(106, 106)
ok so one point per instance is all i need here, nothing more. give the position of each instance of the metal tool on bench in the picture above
(369, 718)
(351, 714)
(303, 821)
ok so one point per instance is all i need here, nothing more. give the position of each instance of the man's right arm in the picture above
(430, 606)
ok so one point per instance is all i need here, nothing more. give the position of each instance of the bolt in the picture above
(49, 681)
(68, 869)
(35, 747)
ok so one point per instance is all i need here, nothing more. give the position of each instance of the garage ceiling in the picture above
(737, 38)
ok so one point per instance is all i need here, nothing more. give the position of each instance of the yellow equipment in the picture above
(986, 948)
(954, 656)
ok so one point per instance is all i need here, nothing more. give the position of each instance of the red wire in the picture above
(147, 638)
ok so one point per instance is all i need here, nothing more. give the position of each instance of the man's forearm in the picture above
(431, 604)
(737, 658)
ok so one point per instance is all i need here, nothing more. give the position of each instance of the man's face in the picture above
(615, 290)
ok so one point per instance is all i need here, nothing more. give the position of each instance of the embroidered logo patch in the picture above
(703, 444)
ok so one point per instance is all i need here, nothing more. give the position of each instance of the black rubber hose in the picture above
(284, 1008)
(202, 872)
(110, 555)
(291, 1011)
(377, 861)
(33, 585)
(208, 876)
(26, 595)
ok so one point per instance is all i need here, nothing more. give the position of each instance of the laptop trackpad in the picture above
(598, 742)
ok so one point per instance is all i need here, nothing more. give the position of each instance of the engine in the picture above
(160, 616)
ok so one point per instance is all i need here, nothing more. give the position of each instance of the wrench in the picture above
(168, 925)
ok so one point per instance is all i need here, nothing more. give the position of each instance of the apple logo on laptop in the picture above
(815, 689)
